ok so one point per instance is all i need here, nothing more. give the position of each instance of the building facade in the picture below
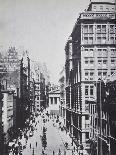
(37, 96)
(24, 107)
(41, 88)
(54, 101)
(7, 117)
(1, 125)
(90, 56)
(62, 108)
(103, 122)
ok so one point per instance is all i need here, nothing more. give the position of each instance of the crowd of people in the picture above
(17, 146)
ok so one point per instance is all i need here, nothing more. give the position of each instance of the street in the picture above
(53, 141)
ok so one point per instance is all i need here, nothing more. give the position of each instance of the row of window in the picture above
(100, 49)
(53, 100)
(103, 8)
(99, 29)
(100, 73)
(100, 61)
(100, 40)
(89, 90)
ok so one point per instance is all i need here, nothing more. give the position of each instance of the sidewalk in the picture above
(67, 139)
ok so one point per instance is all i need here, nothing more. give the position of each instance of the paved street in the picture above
(54, 139)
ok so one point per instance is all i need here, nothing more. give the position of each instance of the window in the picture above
(85, 28)
(104, 61)
(99, 73)
(86, 61)
(90, 28)
(86, 49)
(87, 117)
(99, 40)
(103, 28)
(104, 73)
(101, 7)
(86, 73)
(91, 49)
(103, 40)
(112, 61)
(99, 61)
(86, 40)
(91, 73)
(55, 100)
(99, 50)
(51, 100)
(94, 7)
(86, 90)
(91, 61)
(107, 9)
(111, 40)
(91, 90)
(113, 50)
(112, 73)
(98, 28)
(87, 135)
(90, 40)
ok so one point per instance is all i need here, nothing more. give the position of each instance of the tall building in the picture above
(3, 68)
(103, 118)
(54, 100)
(109, 112)
(90, 56)
(24, 107)
(41, 87)
(7, 117)
(12, 59)
(1, 125)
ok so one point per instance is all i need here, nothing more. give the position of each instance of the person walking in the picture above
(42, 152)
(36, 144)
(30, 145)
(59, 152)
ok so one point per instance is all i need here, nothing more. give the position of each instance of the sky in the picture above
(41, 27)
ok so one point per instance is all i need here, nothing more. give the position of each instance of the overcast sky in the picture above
(41, 27)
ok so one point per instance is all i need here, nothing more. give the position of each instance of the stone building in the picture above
(90, 56)
(54, 101)
(7, 116)
(1, 125)
(62, 108)
(103, 118)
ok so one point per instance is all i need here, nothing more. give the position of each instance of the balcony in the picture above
(97, 15)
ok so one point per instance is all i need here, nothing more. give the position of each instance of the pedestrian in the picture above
(30, 145)
(59, 152)
(53, 153)
(36, 144)
(42, 152)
